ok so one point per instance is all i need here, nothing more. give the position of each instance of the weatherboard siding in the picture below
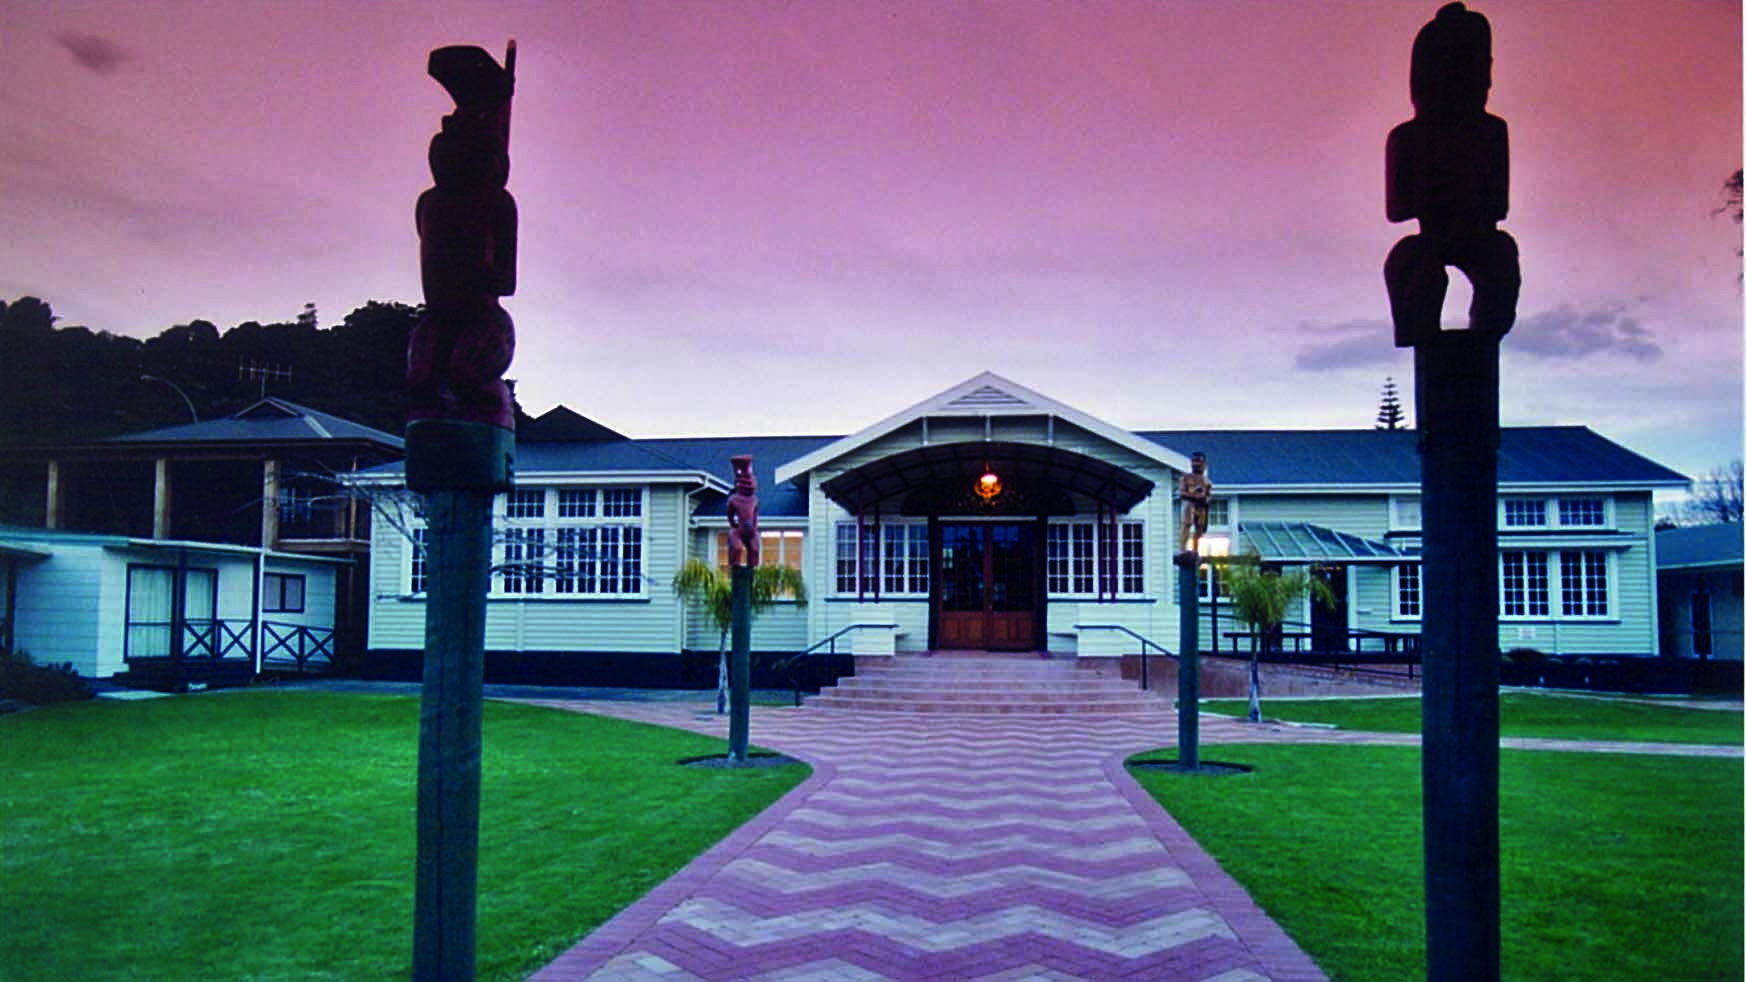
(59, 601)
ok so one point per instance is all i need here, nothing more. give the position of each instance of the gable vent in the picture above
(987, 397)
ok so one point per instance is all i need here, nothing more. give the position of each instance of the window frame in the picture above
(568, 531)
(270, 605)
(1398, 590)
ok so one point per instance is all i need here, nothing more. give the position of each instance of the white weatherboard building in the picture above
(1070, 554)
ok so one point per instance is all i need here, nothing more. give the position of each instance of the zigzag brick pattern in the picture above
(967, 818)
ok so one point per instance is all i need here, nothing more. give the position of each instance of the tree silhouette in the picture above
(1390, 415)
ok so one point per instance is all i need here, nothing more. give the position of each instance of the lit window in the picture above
(776, 547)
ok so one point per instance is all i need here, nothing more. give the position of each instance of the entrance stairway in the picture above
(985, 684)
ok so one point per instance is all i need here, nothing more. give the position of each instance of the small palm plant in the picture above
(699, 582)
(1262, 597)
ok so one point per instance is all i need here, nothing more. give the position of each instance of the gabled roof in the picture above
(986, 394)
(270, 420)
(561, 424)
(1700, 545)
(1310, 459)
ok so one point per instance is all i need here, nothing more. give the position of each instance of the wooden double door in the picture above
(989, 589)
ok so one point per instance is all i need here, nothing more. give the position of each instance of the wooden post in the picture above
(161, 499)
(740, 666)
(1456, 376)
(54, 500)
(1188, 671)
(269, 504)
(459, 467)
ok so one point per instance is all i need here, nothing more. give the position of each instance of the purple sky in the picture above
(801, 217)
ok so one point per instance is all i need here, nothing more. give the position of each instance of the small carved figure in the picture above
(742, 514)
(1195, 490)
(1449, 167)
(467, 239)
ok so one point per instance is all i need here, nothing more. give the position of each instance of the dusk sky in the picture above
(802, 217)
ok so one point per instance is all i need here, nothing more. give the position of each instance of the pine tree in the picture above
(1390, 416)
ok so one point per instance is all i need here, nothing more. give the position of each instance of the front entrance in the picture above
(1328, 630)
(987, 595)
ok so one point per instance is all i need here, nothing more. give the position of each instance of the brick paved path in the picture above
(938, 847)
(960, 847)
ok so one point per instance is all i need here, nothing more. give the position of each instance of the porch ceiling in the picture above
(895, 476)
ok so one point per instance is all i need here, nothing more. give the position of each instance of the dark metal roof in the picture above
(267, 421)
(1330, 458)
(1700, 545)
(1526, 455)
(896, 476)
(1301, 542)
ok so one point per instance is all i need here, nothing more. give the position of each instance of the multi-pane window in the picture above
(1405, 512)
(1218, 513)
(776, 547)
(572, 541)
(1582, 583)
(1525, 590)
(1582, 512)
(1409, 597)
(420, 564)
(525, 503)
(1524, 513)
(523, 555)
(621, 502)
(577, 502)
(846, 567)
(1076, 559)
(905, 560)
(282, 593)
(1133, 558)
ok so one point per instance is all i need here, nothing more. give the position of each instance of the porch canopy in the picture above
(1036, 479)
(1301, 542)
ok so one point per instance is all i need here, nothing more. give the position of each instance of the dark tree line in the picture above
(62, 384)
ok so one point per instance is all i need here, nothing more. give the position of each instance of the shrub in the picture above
(25, 681)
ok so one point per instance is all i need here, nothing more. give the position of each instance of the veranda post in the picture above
(460, 451)
(1448, 167)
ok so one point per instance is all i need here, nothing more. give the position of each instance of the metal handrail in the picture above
(1145, 675)
(787, 664)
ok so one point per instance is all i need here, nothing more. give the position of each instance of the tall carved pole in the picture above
(460, 452)
(743, 545)
(1448, 167)
(1195, 490)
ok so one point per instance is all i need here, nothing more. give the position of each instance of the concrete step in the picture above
(986, 684)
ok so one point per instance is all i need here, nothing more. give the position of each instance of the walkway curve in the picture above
(961, 847)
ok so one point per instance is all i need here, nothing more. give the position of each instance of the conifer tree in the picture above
(1390, 415)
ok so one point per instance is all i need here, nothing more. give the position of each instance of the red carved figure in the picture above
(1449, 167)
(466, 234)
(742, 514)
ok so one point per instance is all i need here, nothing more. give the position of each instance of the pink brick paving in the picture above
(977, 846)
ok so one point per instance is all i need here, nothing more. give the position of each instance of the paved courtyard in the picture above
(956, 847)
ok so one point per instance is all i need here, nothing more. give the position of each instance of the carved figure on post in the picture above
(467, 241)
(742, 514)
(1195, 490)
(1449, 167)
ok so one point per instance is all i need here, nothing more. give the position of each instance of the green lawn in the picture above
(1526, 714)
(265, 835)
(1613, 866)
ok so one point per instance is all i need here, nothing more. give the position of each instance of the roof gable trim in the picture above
(986, 394)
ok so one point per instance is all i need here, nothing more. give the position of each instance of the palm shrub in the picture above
(699, 582)
(1262, 596)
